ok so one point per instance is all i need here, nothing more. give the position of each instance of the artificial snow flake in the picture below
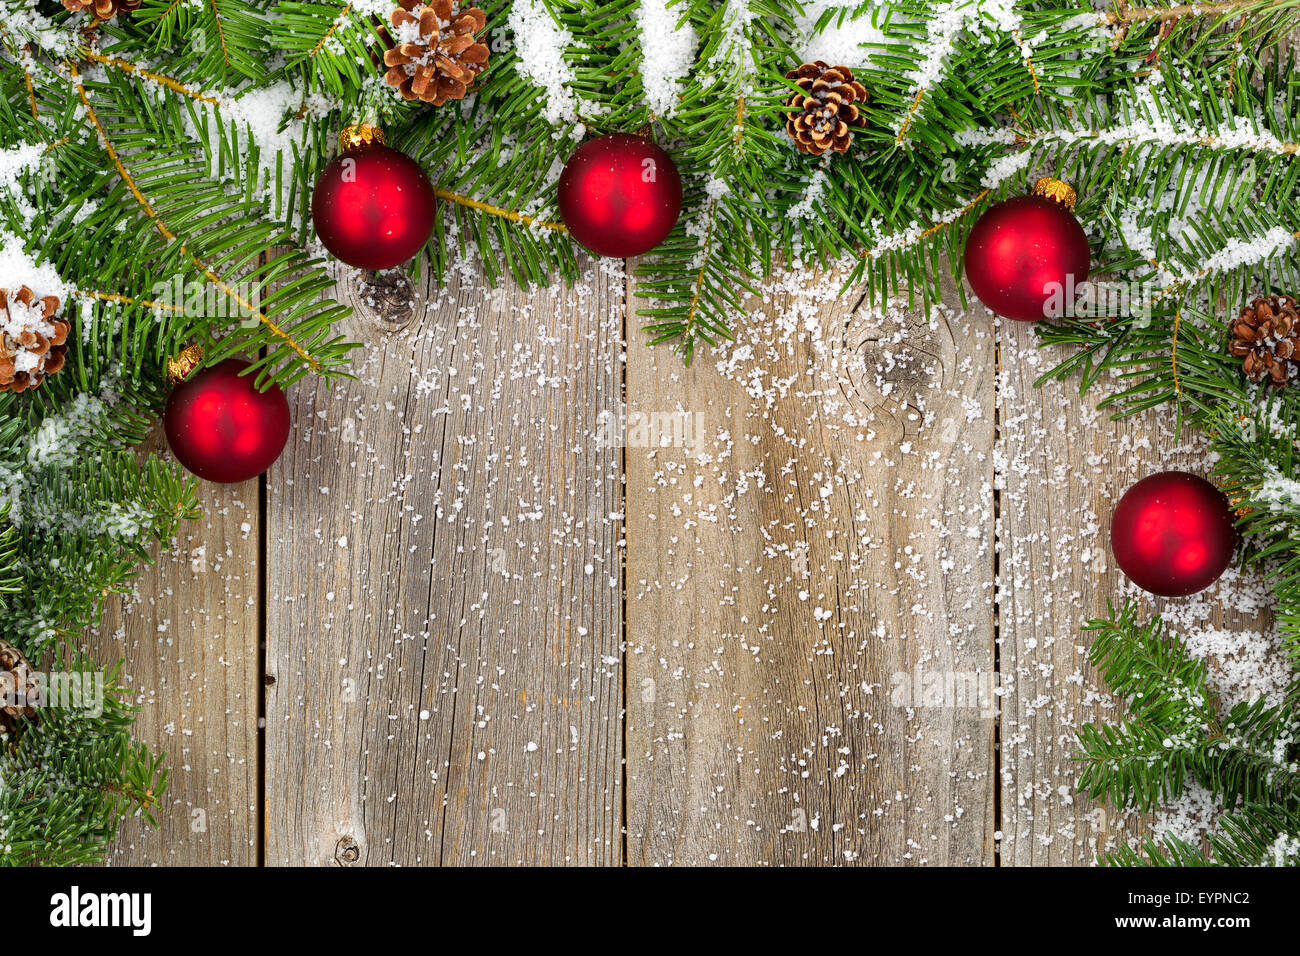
(541, 43)
(846, 39)
(18, 269)
(668, 52)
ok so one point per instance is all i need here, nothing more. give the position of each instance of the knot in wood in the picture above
(386, 299)
(346, 851)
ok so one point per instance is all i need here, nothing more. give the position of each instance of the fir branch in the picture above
(333, 28)
(329, 46)
(120, 299)
(72, 774)
(131, 69)
(727, 112)
(244, 306)
(1178, 12)
(1174, 732)
(509, 215)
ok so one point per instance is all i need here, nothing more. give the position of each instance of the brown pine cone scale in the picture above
(102, 9)
(826, 110)
(1266, 337)
(33, 339)
(19, 686)
(435, 55)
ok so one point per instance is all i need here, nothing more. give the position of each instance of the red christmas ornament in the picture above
(1026, 255)
(223, 429)
(620, 195)
(1172, 534)
(373, 206)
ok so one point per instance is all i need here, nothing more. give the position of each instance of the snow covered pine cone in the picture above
(32, 339)
(1266, 337)
(18, 685)
(825, 112)
(435, 55)
(102, 9)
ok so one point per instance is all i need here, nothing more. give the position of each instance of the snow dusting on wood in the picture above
(526, 587)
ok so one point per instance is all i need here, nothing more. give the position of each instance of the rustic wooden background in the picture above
(456, 624)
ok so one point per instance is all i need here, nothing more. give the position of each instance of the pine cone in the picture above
(824, 115)
(18, 686)
(1266, 337)
(435, 56)
(32, 339)
(102, 9)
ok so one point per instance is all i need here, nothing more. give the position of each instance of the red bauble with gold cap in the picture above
(1172, 533)
(373, 206)
(1026, 255)
(620, 195)
(219, 426)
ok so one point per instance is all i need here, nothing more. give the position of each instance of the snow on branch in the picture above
(667, 54)
(844, 39)
(540, 42)
(943, 29)
(1239, 133)
(1236, 253)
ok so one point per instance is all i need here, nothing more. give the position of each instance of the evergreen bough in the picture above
(181, 140)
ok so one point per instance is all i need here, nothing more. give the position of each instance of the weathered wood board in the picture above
(529, 594)
(1063, 466)
(189, 638)
(444, 612)
(797, 578)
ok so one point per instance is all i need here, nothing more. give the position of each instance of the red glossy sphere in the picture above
(223, 429)
(373, 207)
(1020, 250)
(620, 195)
(1173, 534)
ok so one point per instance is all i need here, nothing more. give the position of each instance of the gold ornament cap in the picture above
(360, 134)
(1057, 190)
(179, 368)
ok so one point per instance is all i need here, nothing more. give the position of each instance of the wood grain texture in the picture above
(1064, 466)
(810, 597)
(189, 637)
(444, 616)
(797, 578)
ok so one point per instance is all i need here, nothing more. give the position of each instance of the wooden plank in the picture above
(1065, 466)
(189, 638)
(444, 616)
(827, 542)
